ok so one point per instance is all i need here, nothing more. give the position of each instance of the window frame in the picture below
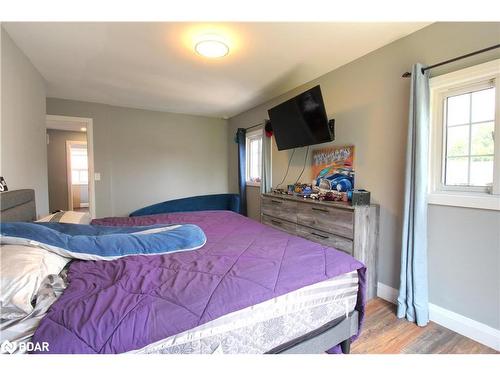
(254, 134)
(441, 87)
(85, 171)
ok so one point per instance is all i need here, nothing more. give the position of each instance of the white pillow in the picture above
(22, 270)
(72, 217)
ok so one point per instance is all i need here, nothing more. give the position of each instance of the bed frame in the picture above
(338, 331)
(19, 205)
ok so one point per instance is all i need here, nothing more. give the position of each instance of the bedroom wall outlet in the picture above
(97, 177)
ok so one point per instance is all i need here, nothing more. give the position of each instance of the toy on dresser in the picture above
(313, 191)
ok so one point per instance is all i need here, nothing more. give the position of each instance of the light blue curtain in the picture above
(265, 182)
(413, 301)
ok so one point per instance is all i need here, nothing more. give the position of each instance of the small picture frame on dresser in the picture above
(3, 185)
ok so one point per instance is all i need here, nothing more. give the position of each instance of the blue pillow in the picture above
(91, 242)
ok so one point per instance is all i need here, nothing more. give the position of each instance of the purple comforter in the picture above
(126, 304)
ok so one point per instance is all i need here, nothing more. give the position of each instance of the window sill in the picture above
(464, 199)
(251, 183)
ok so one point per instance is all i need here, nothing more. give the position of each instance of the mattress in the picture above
(267, 325)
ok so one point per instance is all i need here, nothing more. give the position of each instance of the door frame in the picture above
(71, 123)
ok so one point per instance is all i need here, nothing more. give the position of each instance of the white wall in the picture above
(23, 161)
(145, 157)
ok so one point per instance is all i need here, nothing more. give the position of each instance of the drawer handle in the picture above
(276, 222)
(319, 209)
(275, 201)
(319, 235)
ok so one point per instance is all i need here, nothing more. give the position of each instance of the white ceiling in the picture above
(153, 66)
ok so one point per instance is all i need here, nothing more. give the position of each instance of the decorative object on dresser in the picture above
(333, 168)
(360, 197)
(352, 229)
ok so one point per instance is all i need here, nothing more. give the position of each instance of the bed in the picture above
(249, 289)
(17, 205)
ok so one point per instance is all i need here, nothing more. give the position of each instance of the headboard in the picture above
(17, 205)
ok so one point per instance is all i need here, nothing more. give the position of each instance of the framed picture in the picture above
(333, 168)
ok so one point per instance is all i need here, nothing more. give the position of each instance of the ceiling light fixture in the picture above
(212, 47)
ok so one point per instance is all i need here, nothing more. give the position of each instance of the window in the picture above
(469, 139)
(465, 158)
(79, 165)
(254, 157)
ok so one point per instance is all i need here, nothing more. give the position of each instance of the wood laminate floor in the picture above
(384, 333)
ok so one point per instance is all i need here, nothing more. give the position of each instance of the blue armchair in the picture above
(229, 202)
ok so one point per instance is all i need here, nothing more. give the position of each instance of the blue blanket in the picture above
(90, 242)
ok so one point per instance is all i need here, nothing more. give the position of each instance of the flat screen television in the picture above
(301, 121)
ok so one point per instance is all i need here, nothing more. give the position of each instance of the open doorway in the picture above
(70, 164)
(77, 168)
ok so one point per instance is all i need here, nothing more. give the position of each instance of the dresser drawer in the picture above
(328, 219)
(324, 238)
(279, 208)
(279, 224)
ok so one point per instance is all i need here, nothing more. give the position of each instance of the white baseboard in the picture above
(467, 327)
(388, 293)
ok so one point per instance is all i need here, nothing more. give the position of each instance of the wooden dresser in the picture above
(352, 229)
